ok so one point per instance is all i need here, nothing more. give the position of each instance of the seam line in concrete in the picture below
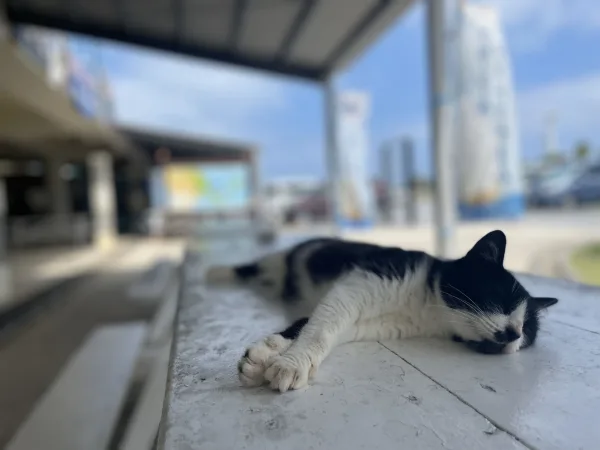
(460, 399)
(577, 327)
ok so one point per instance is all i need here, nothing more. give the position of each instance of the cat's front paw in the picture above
(289, 371)
(254, 363)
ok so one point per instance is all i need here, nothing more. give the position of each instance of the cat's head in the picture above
(490, 311)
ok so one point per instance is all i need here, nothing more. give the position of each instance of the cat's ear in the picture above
(490, 247)
(540, 303)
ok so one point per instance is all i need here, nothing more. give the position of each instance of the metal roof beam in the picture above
(178, 19)
(357, 31)
(301, 19)
(24, 16)
(237, 23)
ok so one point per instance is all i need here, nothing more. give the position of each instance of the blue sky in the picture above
(556, 65)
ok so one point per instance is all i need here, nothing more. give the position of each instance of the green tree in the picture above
(582, 151)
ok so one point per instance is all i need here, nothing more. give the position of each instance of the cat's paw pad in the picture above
(252, 366)
(289, 372)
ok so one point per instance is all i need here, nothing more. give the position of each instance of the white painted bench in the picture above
(80, 409)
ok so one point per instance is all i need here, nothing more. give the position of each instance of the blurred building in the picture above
(190, 178)
(58, 152)
(73, 65)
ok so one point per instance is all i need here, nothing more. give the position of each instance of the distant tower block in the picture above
(550, 133)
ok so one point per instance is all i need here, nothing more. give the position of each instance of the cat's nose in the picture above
(508, 335)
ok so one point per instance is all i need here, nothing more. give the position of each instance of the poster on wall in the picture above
(204, 188)
(353, 190)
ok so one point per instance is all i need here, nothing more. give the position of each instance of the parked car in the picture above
(586, 188)
(565, 188)
(312, 208)
(315, 207)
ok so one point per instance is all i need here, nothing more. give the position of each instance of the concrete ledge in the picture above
(421, 393)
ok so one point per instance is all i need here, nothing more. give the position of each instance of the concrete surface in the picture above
(79, 411)
(34, 350)
(406, 394)
(34, 270)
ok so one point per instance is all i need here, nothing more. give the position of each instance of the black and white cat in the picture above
(342, 291)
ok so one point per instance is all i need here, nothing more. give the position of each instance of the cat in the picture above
(339, 291)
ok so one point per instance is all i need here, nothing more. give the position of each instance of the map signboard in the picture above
(201, 187)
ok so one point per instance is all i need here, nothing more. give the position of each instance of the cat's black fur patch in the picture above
(486, 347)
(294, 329)
(291, 290)
(531, 325)
(247, 271)
(336, 257)
(508, 335)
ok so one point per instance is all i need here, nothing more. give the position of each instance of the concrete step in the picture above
(81, 407)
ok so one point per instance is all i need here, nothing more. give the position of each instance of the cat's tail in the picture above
(227, 275)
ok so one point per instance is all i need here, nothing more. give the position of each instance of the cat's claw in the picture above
(254, 363)
(289, 371)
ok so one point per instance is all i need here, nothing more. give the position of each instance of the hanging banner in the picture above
(353, 191)
(490, 181)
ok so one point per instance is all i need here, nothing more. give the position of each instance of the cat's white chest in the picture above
(401, 309)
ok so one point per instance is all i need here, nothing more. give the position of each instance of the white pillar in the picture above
(102, 199)
(445, 204)
(331, 136)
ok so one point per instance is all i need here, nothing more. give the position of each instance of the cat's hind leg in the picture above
(232, 274)
(256, 360)
(264, 276)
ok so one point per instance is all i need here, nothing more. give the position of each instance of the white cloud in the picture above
(575, 103)
(192, 97)
(531, 23)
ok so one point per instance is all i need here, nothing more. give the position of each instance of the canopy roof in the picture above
(305, 38)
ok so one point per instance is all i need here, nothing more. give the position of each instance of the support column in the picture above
(444, 212)
(59, 188)
(6, 287)
(408, 166)
(102, 200)
(332, 153)
(387, 176)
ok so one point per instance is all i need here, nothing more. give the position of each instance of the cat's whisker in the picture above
(466, 301)
(461, 292)
(480, 317)
(476, 321)
(471, 320)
